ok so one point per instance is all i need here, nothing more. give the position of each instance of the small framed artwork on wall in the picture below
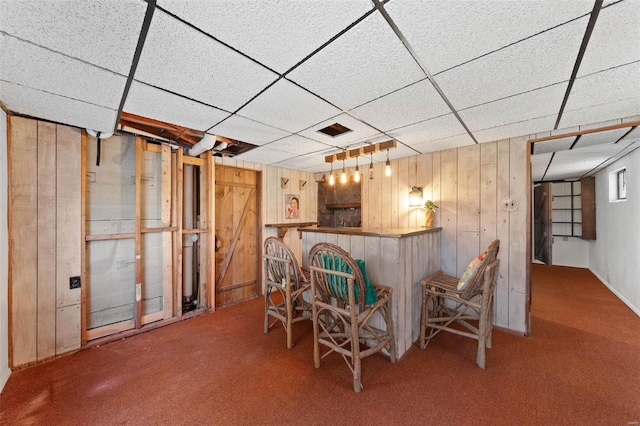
(292, 206)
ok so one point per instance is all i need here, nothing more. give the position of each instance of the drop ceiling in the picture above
(431, 75)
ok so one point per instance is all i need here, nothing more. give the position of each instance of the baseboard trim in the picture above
(616, 292)
(4, 376)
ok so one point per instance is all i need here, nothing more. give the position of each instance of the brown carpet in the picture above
(581, 366)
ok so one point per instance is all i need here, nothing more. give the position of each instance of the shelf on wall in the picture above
(338, 206)
(284, 227)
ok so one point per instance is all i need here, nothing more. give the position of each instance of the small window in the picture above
(621, 178)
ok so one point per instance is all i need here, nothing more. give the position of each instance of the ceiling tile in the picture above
(553, 145)
(305, 162)
(412, 104)
(150, 102)
(433, 129)
(446, 33)
(66, 26)
(604, 96)
(366, 62)
(264, 155)
(539, 163)
(512, 130)
(600, 138)
(297, 145)
(359, 131)
(286, 106)
(444, 143)
(526, 106)
(245, 130)
(576, 162)
(183, 60)
(612, 41)
(37, 103)
(633, 136)
(545, 59)
(39, 68)
(262, 29)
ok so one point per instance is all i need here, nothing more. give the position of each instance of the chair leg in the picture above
(316, 338)
(266, 309)
(289, 327)
(482, 335)
(355, 358)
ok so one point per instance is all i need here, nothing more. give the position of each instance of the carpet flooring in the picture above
(580, 366)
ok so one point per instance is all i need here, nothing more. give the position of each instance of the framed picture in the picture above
(292, 206)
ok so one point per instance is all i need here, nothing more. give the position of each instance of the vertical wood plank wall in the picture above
(44, 239)
(469, 185)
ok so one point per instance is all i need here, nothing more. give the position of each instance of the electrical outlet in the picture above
(74, 282)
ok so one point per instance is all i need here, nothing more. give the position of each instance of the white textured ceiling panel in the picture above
(264, 155)
(72, 27)
(615, 39)
(286, 106)
(445, 143)
(29, 65)
(539, 163)
(183, 60)
(243, 129)
(148, 101)
(359, 131)
(278, 34)
(526, 106)
(600, 138)
(435, 128)
(297, 145)
(595, 114)
(366, 62)
(36, 103)
(576, 162)
(512, 130)
(553, 145)
(446, 33)
(410, 105)
(608, 91)
(531, 64)
(305, 162)
(633, 136)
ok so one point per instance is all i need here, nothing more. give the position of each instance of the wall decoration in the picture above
(292, 206)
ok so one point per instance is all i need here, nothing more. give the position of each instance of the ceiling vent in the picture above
(334, 130)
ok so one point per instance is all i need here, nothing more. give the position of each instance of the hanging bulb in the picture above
(343, 175)
(356, 175)
(371, 168)
(332, 179)
(387, 166)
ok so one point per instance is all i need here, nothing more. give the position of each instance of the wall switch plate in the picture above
(74, 282)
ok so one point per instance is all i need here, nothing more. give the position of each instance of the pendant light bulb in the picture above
(387, 166)
(332, 179)
(343, 175)
(356, 175)
(371, 168)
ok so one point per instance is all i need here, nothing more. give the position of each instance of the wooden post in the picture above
(138, 238)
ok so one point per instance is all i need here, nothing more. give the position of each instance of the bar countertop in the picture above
(372, 232)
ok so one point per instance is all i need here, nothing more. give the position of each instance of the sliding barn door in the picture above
(237, 235)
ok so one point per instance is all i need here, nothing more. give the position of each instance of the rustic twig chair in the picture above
(444, 303)
(344, 307)
(285, 285)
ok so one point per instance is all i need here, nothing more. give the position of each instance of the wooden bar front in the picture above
(395, 257)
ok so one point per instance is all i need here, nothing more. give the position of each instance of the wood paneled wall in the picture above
(44, 239)
(472, 186)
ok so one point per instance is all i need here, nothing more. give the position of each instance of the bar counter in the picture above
(395, 257)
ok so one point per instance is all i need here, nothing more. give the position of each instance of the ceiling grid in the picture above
(431, 75)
